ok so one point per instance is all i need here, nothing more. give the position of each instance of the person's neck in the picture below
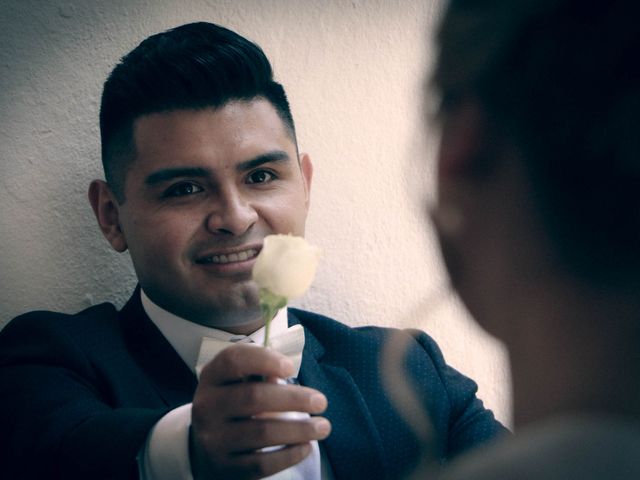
(244, 329)
(237, 322)
(576, 356)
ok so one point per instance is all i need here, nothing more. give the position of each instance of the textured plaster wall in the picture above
(354, 72)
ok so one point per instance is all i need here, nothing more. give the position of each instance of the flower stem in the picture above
(267, 314)
(269, 305)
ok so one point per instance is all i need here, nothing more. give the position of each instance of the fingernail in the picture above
(322, 426)
(318, 402)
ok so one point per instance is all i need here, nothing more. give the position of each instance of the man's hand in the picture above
(229, 427)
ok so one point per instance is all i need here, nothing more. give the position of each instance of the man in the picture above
(201, 163)
(539, 222)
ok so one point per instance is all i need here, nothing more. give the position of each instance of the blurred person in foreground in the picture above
(538, 216)
(201, 164)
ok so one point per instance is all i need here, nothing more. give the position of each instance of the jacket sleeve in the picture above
(470, 423)
(55, 422)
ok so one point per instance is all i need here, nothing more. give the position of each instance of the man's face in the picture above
(204, 190)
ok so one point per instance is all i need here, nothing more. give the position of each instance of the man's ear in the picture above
(306, 167)
(462, 142)
(106, 209)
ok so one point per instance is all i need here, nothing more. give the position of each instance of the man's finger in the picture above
(251, 398)
(245, 360)
(264, 464)
(254, 434)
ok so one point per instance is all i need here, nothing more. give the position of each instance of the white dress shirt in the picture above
(165, 454)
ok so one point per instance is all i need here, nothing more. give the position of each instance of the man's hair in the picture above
(193, 66)
(560, 79)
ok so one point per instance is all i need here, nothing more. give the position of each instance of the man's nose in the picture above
(232, 214)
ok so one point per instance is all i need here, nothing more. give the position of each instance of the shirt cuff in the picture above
(165, 454)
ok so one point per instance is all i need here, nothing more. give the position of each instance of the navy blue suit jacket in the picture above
(79, 394)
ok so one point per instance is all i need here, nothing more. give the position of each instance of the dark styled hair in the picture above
(561, 80)
(193, 66)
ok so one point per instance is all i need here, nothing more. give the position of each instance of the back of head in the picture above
(560, 79)
(193, 66)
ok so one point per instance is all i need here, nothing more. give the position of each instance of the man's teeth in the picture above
(232, 257)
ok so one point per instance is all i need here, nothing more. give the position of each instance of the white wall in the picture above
(354, 72)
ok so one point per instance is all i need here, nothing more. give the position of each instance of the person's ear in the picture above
(462, 142)
(106, 209)
(306, 167)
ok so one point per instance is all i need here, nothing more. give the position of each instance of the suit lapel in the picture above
(354, 447)
(173, 380)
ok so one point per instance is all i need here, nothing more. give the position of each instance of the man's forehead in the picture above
(250, 112)
(232, 127)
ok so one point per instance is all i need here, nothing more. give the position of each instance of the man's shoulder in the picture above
(323, 324)
(98, 318)
(336, 332)
(54, 338)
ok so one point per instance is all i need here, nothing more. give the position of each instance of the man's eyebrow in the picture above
(167, 174)
(273, 156)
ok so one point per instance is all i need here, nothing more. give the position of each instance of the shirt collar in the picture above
(185, 336)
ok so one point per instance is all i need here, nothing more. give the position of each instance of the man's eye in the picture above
(260, 176)
(182, 189)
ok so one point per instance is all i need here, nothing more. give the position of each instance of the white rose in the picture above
(286, 265)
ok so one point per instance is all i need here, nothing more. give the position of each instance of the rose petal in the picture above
(286, 265)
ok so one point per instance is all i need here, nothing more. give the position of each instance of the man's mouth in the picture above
(226, 258)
